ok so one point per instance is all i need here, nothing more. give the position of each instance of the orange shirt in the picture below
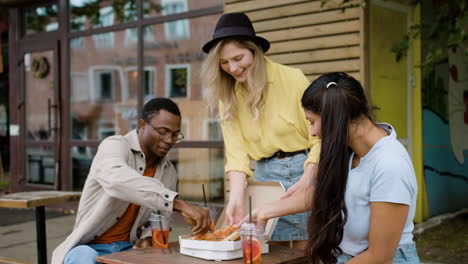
(120, 231)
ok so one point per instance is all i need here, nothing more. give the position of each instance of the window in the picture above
(80, 132)
(114, 68)
(177, 80)
(178, 29)
(105, 131)
(79, 87)
(185, 128)
(214, 130)
(131, 35)
(40, 19)
(130, 11)
(104, 83)
(148, 83)
(52, 26)
(77, 24)
(121, 11)
(106, 18)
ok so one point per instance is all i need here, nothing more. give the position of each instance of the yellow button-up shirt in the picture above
(282, 124)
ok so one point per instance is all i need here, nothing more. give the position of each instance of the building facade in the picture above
(82, 71)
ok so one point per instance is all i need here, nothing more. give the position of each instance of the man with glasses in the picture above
(117, 198)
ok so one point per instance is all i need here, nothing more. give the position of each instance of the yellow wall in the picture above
(388, 77)
(422, 208)
(389, 84)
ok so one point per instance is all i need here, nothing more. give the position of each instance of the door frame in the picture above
(408, 141)
(20, 45)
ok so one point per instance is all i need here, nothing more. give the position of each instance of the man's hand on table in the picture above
(143, 243)
(198, 217)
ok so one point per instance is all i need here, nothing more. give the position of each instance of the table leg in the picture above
(41, 235)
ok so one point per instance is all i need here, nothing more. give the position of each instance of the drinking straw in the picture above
(250, 209)
(160, 226)
(251, 225)
(204, 201)
(204, 196)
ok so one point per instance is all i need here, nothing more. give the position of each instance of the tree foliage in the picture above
(123, 10)
(447, 30)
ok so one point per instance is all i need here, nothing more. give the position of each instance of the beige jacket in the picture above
(115, 180)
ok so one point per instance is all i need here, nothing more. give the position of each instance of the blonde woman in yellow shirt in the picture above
(261, 119)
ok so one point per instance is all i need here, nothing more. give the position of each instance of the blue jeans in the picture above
(86, 254)
(287, 171)
(405, 253)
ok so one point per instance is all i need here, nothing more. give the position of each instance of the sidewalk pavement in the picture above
(18, 241)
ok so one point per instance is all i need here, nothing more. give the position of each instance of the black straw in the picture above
(204, 200)
(204, 196)
(250, 219)
(250, 209)
(161, 226)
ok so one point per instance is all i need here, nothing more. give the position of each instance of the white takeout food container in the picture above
(261, 193)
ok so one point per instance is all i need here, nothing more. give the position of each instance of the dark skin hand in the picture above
(143, 243)
(198, 217)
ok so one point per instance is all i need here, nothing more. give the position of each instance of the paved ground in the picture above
(18, 232)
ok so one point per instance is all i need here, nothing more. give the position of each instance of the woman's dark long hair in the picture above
(339, 100)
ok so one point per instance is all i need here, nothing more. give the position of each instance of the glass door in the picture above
(41, 117)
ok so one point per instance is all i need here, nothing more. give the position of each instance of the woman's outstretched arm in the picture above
(298, 202)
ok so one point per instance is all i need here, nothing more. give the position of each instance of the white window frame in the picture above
(131, 35)
(99, 90)
(93, 81)
(184, 22)
(80, 97)
(206, 129)
(78, 43)
(152, 79)
(105, 40)
(168, 78)
(185, 125)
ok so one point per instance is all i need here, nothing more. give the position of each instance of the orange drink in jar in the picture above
(160, 229)
(252, 243)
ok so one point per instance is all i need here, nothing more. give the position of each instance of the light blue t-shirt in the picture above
(384, 174)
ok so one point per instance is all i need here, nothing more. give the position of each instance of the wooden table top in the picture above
(35, 199)
(171, 255)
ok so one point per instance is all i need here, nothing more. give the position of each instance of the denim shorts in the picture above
(405, 253)
(287, 171)
(87, 253)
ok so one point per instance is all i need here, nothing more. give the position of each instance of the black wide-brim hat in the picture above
(235, 25)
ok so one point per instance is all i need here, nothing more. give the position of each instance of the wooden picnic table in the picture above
(172, 255)
(38, 200)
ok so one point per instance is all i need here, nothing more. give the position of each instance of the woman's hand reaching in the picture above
(307, 179)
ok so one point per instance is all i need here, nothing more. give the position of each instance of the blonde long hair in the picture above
(221, 86)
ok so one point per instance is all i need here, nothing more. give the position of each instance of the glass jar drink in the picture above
(160, 229)
(252, 243)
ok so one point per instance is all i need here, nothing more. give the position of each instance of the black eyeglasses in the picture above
(165, 133)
